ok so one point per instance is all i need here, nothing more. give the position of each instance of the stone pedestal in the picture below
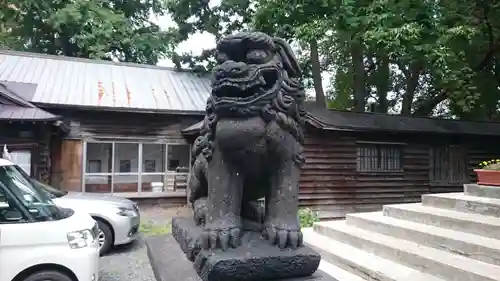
(169, 263)
(179, 257)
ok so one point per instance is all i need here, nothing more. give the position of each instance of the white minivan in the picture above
(40, 241)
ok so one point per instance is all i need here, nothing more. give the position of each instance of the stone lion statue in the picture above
(250, 146)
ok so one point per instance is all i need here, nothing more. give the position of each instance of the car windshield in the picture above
(36, 201)
(49, 190)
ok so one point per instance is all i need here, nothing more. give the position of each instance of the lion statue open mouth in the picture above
(250, 144)
(252, 70)
(246, 84)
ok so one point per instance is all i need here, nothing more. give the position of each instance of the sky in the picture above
(196, 42)
(199, 41)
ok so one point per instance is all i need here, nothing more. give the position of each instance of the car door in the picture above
(12, 222)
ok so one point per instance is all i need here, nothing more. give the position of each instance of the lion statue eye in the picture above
(257, 55)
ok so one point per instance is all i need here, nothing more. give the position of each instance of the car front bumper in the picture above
(86, 263)
(126, 229)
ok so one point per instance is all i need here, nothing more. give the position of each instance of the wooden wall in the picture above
(98, 124)
(89, 125)
(331, 184)
(67, 165)
(34, 137)
(329, 181)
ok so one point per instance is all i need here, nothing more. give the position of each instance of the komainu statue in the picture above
(250, 145)
(250, 148)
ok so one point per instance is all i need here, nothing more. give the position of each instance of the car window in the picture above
(9, 211)
(18, 184)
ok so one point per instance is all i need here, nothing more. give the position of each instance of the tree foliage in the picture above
(408, 57)
(193, 16)
(87, 28)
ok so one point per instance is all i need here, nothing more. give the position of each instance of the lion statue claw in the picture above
(250, 146)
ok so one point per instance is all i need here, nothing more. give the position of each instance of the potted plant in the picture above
(489, 172)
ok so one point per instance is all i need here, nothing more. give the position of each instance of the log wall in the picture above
(331, 184)
(33, 137)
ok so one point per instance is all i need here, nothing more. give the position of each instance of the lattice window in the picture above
(379, 158)
(448, 165)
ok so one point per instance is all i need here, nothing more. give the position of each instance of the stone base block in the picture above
(169, 263)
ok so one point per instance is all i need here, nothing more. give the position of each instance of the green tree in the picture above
(192, 16)
(87, 28)
(302, 22)
(409, 57)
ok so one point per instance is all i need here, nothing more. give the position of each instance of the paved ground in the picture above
(130, 262)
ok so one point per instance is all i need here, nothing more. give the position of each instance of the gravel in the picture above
(130, 262)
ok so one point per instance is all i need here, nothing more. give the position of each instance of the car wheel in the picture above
(48, 275)
(104, 238)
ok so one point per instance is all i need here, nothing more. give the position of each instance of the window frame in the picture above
(140, 173)
(399, 146)
(451, 164)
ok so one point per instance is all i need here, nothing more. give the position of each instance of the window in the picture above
(178, 157)
(379, 158)
(125, 166)
(149, 166)
(135, 167)
(98, 167)
(94, 166)
(448, 165)
(22, 159)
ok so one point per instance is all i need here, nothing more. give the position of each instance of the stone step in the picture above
(465, 244)
(459, 221)
(425, 259)
(482, 190)
(337, 272)
(363, 264)
(463, 203)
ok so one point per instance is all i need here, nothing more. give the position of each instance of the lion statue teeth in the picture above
(250, 146)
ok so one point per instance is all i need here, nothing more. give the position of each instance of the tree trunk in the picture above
(316, 74)
(427, 106)
(383, 85)
(358, 68)
(412, 77)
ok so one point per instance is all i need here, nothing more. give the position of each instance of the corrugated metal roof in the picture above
(18, 113)
(336, 120)
(15, 108)
(8, 94)
(323, 118)
(82, 82)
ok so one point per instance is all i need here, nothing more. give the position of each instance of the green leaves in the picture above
(412, 57)
(88, 28)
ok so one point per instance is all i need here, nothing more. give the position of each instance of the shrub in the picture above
(307, 217)
(493, 164)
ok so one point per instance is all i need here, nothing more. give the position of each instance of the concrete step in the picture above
(482, 190)
(337, 272)
(463, 203)
(364, 265)
(425, 259)
(459, 221)
(465, 244)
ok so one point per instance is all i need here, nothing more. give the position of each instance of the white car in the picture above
(39, 240)
(118, 218)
